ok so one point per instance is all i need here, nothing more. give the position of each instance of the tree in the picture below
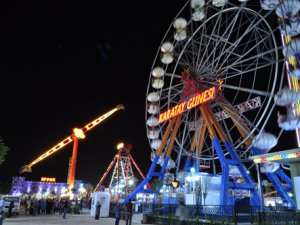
(3, 151)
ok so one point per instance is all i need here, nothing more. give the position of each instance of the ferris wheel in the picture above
(212, 85)
(215, 73)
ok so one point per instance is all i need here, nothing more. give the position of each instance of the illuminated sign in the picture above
(189, 104)
(242, 107)
(48, 179)
(277, 157)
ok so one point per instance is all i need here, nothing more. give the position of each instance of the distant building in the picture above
(46, 186)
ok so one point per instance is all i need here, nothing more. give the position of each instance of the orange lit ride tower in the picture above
(122, 173)
(77, 134)
(211, 92)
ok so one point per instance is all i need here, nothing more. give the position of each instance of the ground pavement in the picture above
(73, 219)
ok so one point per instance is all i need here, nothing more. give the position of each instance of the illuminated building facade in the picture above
(46, 186)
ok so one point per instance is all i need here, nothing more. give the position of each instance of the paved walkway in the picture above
(81, 219)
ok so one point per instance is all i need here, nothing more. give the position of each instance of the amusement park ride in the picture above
(122, 175)
(213, 87)
(77, 134)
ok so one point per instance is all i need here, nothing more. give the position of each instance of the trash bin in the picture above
(145, 218)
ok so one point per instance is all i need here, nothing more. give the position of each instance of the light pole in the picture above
(262, 204)
(120, 147)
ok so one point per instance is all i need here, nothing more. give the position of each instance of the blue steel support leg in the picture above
(255, 151)
(153, 165)
(285, 177)
(280, 190)
(187, 164)
(225, 172)
(144, 182)
(163, 169)
(224, 185)
(275, 181)
(137, 189)
(219, 151)
(248, 182)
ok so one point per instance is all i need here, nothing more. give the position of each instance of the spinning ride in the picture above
(123, 179)
(211, 90)
(77, 134)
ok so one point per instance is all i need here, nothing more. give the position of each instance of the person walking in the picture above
(118, 212)
(98, 209)
(66, 208)
(10, 207)
(128, 213)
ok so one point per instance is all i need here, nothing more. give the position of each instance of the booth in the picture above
(104, 199)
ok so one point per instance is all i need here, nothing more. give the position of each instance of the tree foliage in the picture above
(3, 151)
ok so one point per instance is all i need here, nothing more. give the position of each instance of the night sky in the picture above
(65, 63)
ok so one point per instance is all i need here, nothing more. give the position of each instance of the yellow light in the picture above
(258, 160)
(48, 179)
(120, 146)
(78, 133)
(175, 183)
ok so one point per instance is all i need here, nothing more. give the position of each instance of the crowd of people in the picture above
(34, 206)
(127, 210)
(62, 206)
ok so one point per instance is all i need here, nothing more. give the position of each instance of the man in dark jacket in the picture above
(97, 212)
(129, 213)
(10, 207)
(118, 212)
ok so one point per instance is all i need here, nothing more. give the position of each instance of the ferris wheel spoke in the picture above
(248, 90)
(217, 24)
(173, 75)
(241, 72)
(225, 36)
(228, 43)
(167, 92)
(239, 62)
(242, 59)
(251, 27)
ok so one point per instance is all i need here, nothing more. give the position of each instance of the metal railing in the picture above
(166, 214)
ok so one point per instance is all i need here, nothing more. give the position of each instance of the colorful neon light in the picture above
(277, 157)
(292, 81)
(189, 104)
(48, 179)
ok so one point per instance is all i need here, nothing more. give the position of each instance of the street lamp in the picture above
(120, 147)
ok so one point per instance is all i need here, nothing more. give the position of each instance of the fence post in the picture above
(251, 214)
(234, 215)
(169, 214)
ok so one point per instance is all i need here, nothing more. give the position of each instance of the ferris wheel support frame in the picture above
(213, 129)
(272, 177)
(212, 124)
